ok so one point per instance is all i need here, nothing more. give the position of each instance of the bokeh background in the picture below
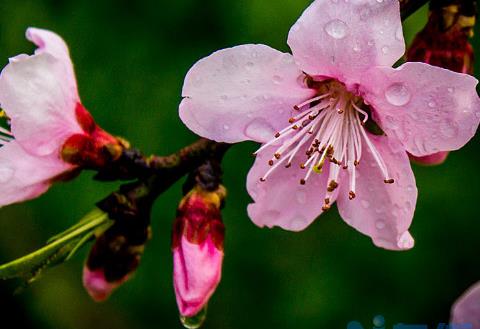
(131, 58)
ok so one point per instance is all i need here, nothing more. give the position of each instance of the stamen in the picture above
(310, 101)
(330, 129)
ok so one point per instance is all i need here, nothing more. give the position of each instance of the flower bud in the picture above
(117, 251)
(94, 148)
(197, 246)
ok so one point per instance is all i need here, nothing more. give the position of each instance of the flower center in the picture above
(5, 134)
(330, 129)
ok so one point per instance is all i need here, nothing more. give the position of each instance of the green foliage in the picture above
(58, 250)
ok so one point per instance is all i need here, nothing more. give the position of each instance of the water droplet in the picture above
(277, 79)
(298, 223)
(259, 130)
(385, 50)
(337, 29)
(195, 321)
(380, 224)
(399, 33)
(270, 217)
(448, 129)
(226, 127)
(432, 104)
(397, 94)
(365, 204)
(301, 197)
(5, 174)
(405, 241)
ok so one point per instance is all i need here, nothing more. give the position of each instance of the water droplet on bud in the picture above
(195, 321)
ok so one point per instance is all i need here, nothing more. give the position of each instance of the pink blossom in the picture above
(97, 286)
(466, 309)
(197, 247)
(315, 112)
(51, 133)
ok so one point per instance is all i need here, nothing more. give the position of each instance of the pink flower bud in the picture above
(97, 285)
(197, 247)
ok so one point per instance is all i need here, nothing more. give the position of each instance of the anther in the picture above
(332, 186)
(262, 179)
(351, 195)
(288, 165)
(327, 200)
(325, 207)
(277, 135)
(302, 165)
(295, 127)
(270, 162)
(389, 181)
(277, 155)
(302, 181)
(291, 120)
(356, 163)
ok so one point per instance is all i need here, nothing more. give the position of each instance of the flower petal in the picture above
(23, 176)
(241, 93)
(429, 109)
(342, 39)
(382, 211)
(197, 270)
(281, 200)
(39, 94)
(466, 309)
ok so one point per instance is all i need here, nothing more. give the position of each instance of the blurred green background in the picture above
(130, 60)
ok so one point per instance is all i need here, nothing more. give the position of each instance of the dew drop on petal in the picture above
(399, 33)
(6, 174)
(301, 197)
(405, 241)
(365, 204)
(277, 79)
(259, 130)
(380, 224)
(397, 94)
(226, 127)
(337, 29)
(298, 223)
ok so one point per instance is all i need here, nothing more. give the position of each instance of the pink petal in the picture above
(23, 176)
(39, 94)
(241, 93)
(430, 160)
(466, 309)
(97, 285)
(429, 109)
(342, 39)
(196, 273)
(281, 200)
(382, 211)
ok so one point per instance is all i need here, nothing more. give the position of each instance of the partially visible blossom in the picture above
(114, 257)
(444, 43)
(197, 246)
(335, 119)
(51, 133)
(466, 309)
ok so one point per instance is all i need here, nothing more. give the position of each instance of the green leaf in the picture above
(59, 249)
